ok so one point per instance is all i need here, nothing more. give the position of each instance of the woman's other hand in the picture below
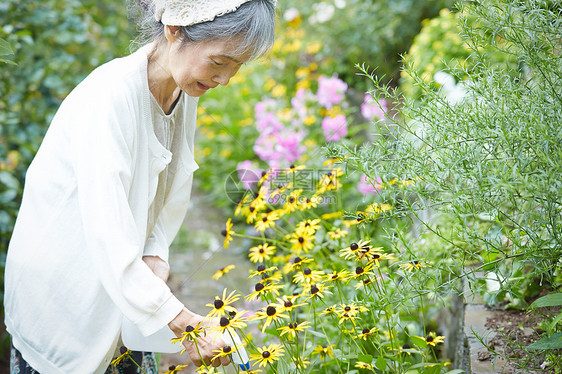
(204, 342)
(158, 266)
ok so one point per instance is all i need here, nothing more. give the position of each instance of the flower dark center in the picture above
(307, 224)
(252, 209)
(307, 271)
(271, 311)
(172, 367)
(416, 262)
(268, 210)
(429, 339)
(354, 246)
(335, 276)
(264, 219)
(376, 256)
(263, 173)
(224, 321)
(189, 328)
(314, 289)
(329, 174)
(301, 239)
(259, 286)
(292, 166)
(232, 314)
(297, 260)
(308, 201)
(122, 350)
(406, 346)
(366, 331)
(219, 303)
(223, 232)
(227, 349)
(261, 251)
(359, 270)
(347, 308)
(288, 304)
(266, 354)
(261, 267)
(291, 326)
(291, 199)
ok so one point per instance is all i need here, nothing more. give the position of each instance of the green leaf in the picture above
(456, 371)
(554, 299)
(381, 363)
(554, 322)
(550, 342)
(7, 61)
(365, 358)
(5, 48)
(418, 341)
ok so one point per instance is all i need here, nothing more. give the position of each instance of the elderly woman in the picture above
(109, 188)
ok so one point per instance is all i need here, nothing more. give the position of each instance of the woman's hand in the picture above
(204, 342)
(158, 266)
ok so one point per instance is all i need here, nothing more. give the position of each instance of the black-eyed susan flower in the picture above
(292, 329)
(414, 265)
(432, 339)
(407, 349)
(315, 291)
(302, 241)
(191, 333)
(261, 269)
(375, 256)
(230, 323)
(354, 249)
(363, 271)
(377, 208)
(324, 351)
(242, 207)
(337, 233)
(262, 290)
(252, 214)
(308, 275)
(227, 233)
(289, 303)
(267, 354)
(206, 370)
(363, 365)
(259, 201)
(124, 352)
(223, 352)
(270, 313)
(292, 168)
(366, 333)
(292, 202)
(222, 271)
(309, 225)
(266, 220)
(364, 282)
(330, 181)
(175, 369)
(347, 317)
(352, 309)
(280, 190)
(296, 264)
(331, 310)
(309, 202)
(261, 252)
(222, 306)
(338, 276)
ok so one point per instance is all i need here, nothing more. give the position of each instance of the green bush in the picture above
(489, 166)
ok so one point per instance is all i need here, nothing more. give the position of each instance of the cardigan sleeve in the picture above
(103, 147)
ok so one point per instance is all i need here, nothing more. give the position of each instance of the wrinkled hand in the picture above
(204, 343)
(158, 266)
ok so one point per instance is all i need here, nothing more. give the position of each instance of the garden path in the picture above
(195, 256)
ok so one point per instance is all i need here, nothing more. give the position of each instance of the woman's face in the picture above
(196, 68)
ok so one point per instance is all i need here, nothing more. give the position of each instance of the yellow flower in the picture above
(414, 265)
(124, 353)
(337, 234)
(375, 256)
(261, 253)
(191, 334)
(376, 208)
(328, 216)
(221, 306)
(315, 291)
(206, 370)
(287, 303)
(308, 276)
(330, 181)
(366, 333)
(293, 328)
(267, 355)
(354, 249)
(175, 369)
(229, 323)
(260, 290)
(329, 311)
(292, 202)
(363, 365)
(279, 90)
(266, 221)
(310, 225)
(262, 270)
(324, 351)
(270, 313)
(296, 264)
(227, 233)
(309, 120)
(310, 202)
(361, 271)
(432, 339)
(338, 276)
(302, 241)
(313, 48)
(302, 72)
(223, 271)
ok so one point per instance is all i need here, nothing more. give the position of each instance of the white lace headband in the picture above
(191, 12)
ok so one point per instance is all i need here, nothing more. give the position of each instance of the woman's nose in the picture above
(222, 78)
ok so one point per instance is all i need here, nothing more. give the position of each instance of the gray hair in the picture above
(252, 25)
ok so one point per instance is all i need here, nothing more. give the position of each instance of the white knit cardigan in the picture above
(74, 265)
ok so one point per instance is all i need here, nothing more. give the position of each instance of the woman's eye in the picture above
(217, 63)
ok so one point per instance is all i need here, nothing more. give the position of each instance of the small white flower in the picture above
(324, 12)
(291, 14)
(340, 4)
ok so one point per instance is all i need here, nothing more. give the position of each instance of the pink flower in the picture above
(331, 91)
(334, 128)
(267, 121)
(265, 106)
(365, 187)
(371, 110)
(248, 173)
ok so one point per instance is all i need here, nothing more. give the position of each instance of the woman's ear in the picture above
(172, 33)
